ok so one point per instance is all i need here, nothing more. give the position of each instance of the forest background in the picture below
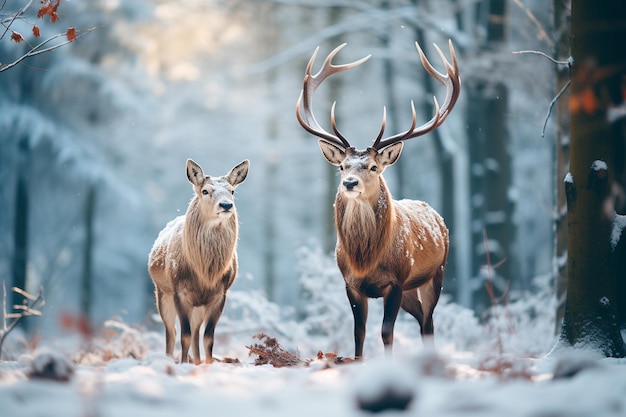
(94, 138)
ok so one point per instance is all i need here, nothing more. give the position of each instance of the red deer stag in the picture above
(385, 248)
(194, 261)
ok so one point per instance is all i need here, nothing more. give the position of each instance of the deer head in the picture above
(215, 194)
(361, 169)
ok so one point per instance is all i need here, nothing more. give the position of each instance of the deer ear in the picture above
(332, 153)
(238, 173)
(389, 155)
(195, 175)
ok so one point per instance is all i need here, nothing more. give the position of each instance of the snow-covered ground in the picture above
(434, 385)
(492, 369)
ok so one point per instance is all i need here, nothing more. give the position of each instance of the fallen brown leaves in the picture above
(270, 352)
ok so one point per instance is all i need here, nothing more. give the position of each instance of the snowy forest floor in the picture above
(486, 369)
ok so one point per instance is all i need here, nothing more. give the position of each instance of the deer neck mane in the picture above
(209, 245)
(364, 229)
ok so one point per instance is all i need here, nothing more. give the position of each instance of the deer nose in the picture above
(350, 184)
(226, 206)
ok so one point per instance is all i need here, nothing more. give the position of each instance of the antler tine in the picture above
(382, 127)
(306, 118)
(333, 123)
(451, 80)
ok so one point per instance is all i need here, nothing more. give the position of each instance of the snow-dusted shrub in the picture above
(525, 325)
(456, 325)
(248, 313)
(325, 311)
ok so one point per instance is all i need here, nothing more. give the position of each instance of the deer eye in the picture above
(340, 167)
(205, 192)
(374, 168)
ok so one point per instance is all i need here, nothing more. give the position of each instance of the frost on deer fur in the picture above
(193, 261)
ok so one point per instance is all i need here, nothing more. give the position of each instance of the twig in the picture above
(271, 352)
(560, 93)
(36, 50)
(543, 54)
(552, 103)
(29, 308)
(542, 32)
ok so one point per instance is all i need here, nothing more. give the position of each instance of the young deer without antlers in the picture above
(385, 248)
(194, 261)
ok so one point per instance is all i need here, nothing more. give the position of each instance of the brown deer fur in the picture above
(194, 261)
(385, 248)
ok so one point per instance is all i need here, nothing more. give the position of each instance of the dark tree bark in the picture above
(598, 74)
(561, 149)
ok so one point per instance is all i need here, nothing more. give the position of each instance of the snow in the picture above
(496, 367)
(619, 222)
(599, 165)
(433, 384)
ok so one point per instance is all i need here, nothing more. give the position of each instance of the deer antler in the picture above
(311, 82)
(451, 80)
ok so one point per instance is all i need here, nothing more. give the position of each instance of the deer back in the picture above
(422, 240)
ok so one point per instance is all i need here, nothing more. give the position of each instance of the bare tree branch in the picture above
(31, 306)
(560, 93)
(39, 49)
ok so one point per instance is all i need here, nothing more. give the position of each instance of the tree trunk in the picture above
(561, 149)
(598, 73)
(490, 174)
(86, 296)
(335, 86)
(19, 262)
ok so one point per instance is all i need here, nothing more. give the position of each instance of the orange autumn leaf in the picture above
(49, 8)
(589, 101)
(36, 31)
(585, 101)
(16, 37)
(71, 34)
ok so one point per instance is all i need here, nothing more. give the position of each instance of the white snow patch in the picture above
(619, 222)
(569, 178)
(599, 165)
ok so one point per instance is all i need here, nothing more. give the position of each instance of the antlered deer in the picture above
(194, 261)
(385, 248)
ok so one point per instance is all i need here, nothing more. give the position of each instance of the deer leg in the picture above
(185, 328)
(412, 305)
(209, 332)
(167, 310)
(197, 317)
(392, 299)
(358, 303)
(430, 296)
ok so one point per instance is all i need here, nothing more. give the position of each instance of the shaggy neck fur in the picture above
(208, 244)
(364, 229)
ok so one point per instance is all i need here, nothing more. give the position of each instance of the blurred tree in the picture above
(445, 162)
(490, 167)
(561, 22)
(19, 261)
(593, 188)
(335, 85)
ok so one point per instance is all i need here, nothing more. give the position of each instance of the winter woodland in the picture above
(93, 142)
